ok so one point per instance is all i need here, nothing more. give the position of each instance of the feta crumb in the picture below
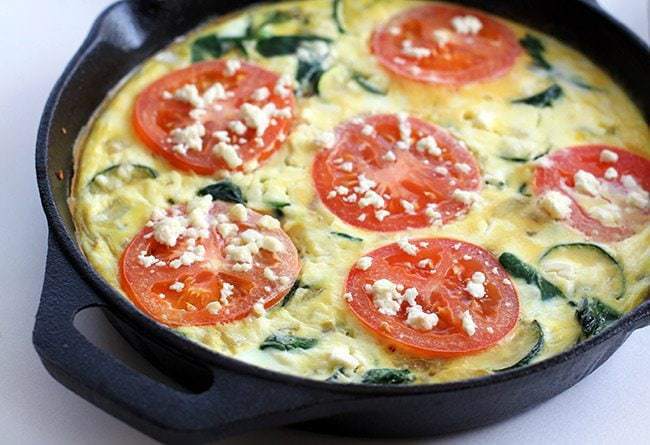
(232, 66)
(237, 127)
(414, 51)
(261, 94)
(326, 139)
(468, 24)
(386, 297)
(462, 167)
(381, 214)
(372, 198)
(258, 308)
(441, 170)
(269, 274)
(189, 93)
(408, 206)
(227, 290)
(420, 320)
(468, 323)
(268, 222)
(213, 307)
(611, 173)
(238, 213)
(389, 156)
(442, 36)
(364, 263)
(406, 247)
(188, 138)
(272, 244)
(475, 286)
(228, 153)
(586, 183)
(341, 357)
(429, 145)
(347, 296)
(556, 204)
(466, 196)
(608, 156)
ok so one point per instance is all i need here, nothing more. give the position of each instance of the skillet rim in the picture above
(214, 360)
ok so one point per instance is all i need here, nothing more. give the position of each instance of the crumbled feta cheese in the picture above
(326, 139)
(586, 183)
(468, 323)
(261, 94)
(408, 206)
(269, 274)
(381, 214)
(251, 236)
(283, 86)
(414, 51)
(466, 196)
(258, 308)
(441, 170)
(215, 92)
(226, 230)
(608, 214)
(406, 247)
(475, 286)
(256, 117)
(347, 167)
(432, 213)
(268, 222)
(239, 254)
(238, 213)
(228, 153)
(386, 297)
(147, 260)
(272, 244)
(420, 320)
(189, 93)
(611, 173)
(347, 296)
(608, 156)
(168, 229)
(462, 167)
(442, 36)
(364, 263)
(188, 138)
(227, 290)
(556, 204)
(468, 24)
(372, 198)
(636, 195)
(429, 145)
(237, 127)
(368, 130)
(389, 156)
(232, 66)
(340, 356)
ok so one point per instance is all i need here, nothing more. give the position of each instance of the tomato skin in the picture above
(204, 280)
(412, 176)
(438, 292)
(559, 176)
(464, 59)
(154, 117)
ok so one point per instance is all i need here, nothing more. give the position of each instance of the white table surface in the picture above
(612, 406)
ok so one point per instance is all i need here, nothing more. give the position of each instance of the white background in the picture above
(38, 37)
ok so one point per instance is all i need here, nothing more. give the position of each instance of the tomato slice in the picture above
(444, 44)
(198, 299)
(558, 172)
(158, 112)
(371, 179)
(440, 269)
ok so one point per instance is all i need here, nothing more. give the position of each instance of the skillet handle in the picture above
(235, 402)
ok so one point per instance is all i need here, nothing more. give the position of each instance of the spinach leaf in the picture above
(535, 49)
(287, 298)
(308, 75)
(594, 316)
(223, 191)
(523, 190)
(213, 47)
(336, 16)
(287, 342)
(362, 81)
(277, 208)
(347, 237)
(387, 376)
(542, 99)
(518, 269)
(284, 45)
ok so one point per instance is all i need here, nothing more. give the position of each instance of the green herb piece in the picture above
(137, 172)
(213, 47)
(594, 316)
(526, 272)
(542, 99)
(308, 76)
(284, 45)
(277, 208)
(534, 350)
(387, 376)
(336, 15)
(338, 375)
(523, 190)
(347, 237)
(274, 18)
(287, 342)
(364, 83)
(287, 298)
(223, 191)
(535, 49)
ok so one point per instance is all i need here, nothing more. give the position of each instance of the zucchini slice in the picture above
(337, 16)
(118, 175)
(584, 270)
(527, 344)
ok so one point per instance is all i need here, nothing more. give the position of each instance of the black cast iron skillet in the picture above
(224, 396)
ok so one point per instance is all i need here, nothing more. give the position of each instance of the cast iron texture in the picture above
(226, 396)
